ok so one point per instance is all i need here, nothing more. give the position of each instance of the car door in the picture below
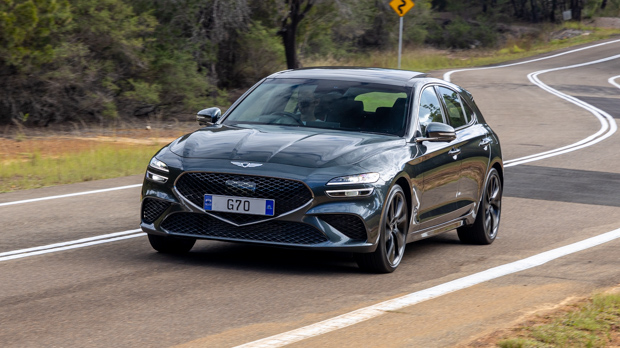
(473, 143)
(439, 165)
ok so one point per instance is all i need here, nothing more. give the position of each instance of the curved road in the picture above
(116, 291)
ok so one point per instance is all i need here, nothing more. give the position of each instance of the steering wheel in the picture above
(288, 114)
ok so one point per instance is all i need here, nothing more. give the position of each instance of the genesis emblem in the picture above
(247, 164)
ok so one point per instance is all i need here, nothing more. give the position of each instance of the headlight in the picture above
(156, 177)
(367, 178)
(159, 165)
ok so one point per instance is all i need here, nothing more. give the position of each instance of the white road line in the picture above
(611, 80)
(77, 241)
(447, 75)
(381, 308)
(68, 245)
(70, 195)
(608, 124)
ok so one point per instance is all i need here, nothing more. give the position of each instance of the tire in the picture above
(484, 229)
(392, 236)
(171, 245)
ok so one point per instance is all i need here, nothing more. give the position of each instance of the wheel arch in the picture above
(500, 170)
(404, 184)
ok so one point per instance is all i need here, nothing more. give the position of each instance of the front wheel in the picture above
(171, 245)
(392, 236)
(484, 229)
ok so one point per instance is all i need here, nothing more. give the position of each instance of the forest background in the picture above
(104, 61)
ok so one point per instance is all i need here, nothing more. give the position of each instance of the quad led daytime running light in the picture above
(160, 166)
(366, 178)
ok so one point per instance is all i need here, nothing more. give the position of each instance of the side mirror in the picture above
(208, 116)
(438, 132)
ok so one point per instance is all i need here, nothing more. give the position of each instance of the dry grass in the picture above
(30, 160)
(427, 59)
(592, 322)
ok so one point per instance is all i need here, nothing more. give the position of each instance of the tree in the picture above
(29, 29)
(288, 31)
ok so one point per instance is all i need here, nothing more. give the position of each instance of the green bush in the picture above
(461, 34)
(260, 54)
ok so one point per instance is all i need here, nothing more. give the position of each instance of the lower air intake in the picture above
(349, 225)
(152, 209)
(202, 225)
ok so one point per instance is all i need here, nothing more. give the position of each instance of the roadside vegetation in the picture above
(93, 161)
(593, 323)
(112, 61)
(427, 59)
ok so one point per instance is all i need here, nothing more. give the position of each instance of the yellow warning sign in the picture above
(401, 6)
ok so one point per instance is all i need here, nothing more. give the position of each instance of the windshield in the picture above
(344, 105)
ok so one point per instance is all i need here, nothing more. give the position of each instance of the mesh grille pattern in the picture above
(270, 231)
(152, 209)
(349, 225)
(288, 194)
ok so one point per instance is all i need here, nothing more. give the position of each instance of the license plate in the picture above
(240, 205)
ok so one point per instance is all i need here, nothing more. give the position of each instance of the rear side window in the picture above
(430, 108)
(454, 107)
(469, 113)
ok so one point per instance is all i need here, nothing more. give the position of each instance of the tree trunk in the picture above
(554, 7)
(603, 4)
(576, 9)
(290, 46)
(288, 31)
(534, 11)
(516, 9)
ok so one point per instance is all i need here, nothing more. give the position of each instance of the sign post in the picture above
(401, 7)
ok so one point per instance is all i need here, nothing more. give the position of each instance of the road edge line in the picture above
(363, 314)
(69, 195)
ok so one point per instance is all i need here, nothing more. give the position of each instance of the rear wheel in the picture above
(484, 229)
(392, 236)
(171, 245)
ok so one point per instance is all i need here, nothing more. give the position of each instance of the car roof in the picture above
(370, 75)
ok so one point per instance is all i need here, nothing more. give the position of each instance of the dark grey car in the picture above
(360, 160)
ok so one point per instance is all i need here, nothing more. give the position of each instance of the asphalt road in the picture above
(123, 294)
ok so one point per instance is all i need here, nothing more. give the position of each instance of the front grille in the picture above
(152, 209)
(288, 194)
(349, 225)
(270, 231)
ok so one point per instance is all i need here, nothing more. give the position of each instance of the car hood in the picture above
(306, 147)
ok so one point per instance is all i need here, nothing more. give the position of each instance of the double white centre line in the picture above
(74, 244)
(608, 124)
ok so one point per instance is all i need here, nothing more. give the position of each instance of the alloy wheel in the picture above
(395, 229)
(492, 207)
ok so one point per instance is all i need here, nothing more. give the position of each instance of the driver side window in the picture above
(430, 108)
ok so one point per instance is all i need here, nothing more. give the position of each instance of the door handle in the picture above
(454, 151)
(484, 142)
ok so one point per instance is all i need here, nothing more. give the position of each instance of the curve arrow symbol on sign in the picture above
(400, 7)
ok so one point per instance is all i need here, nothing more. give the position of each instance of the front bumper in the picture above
(323, 223)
